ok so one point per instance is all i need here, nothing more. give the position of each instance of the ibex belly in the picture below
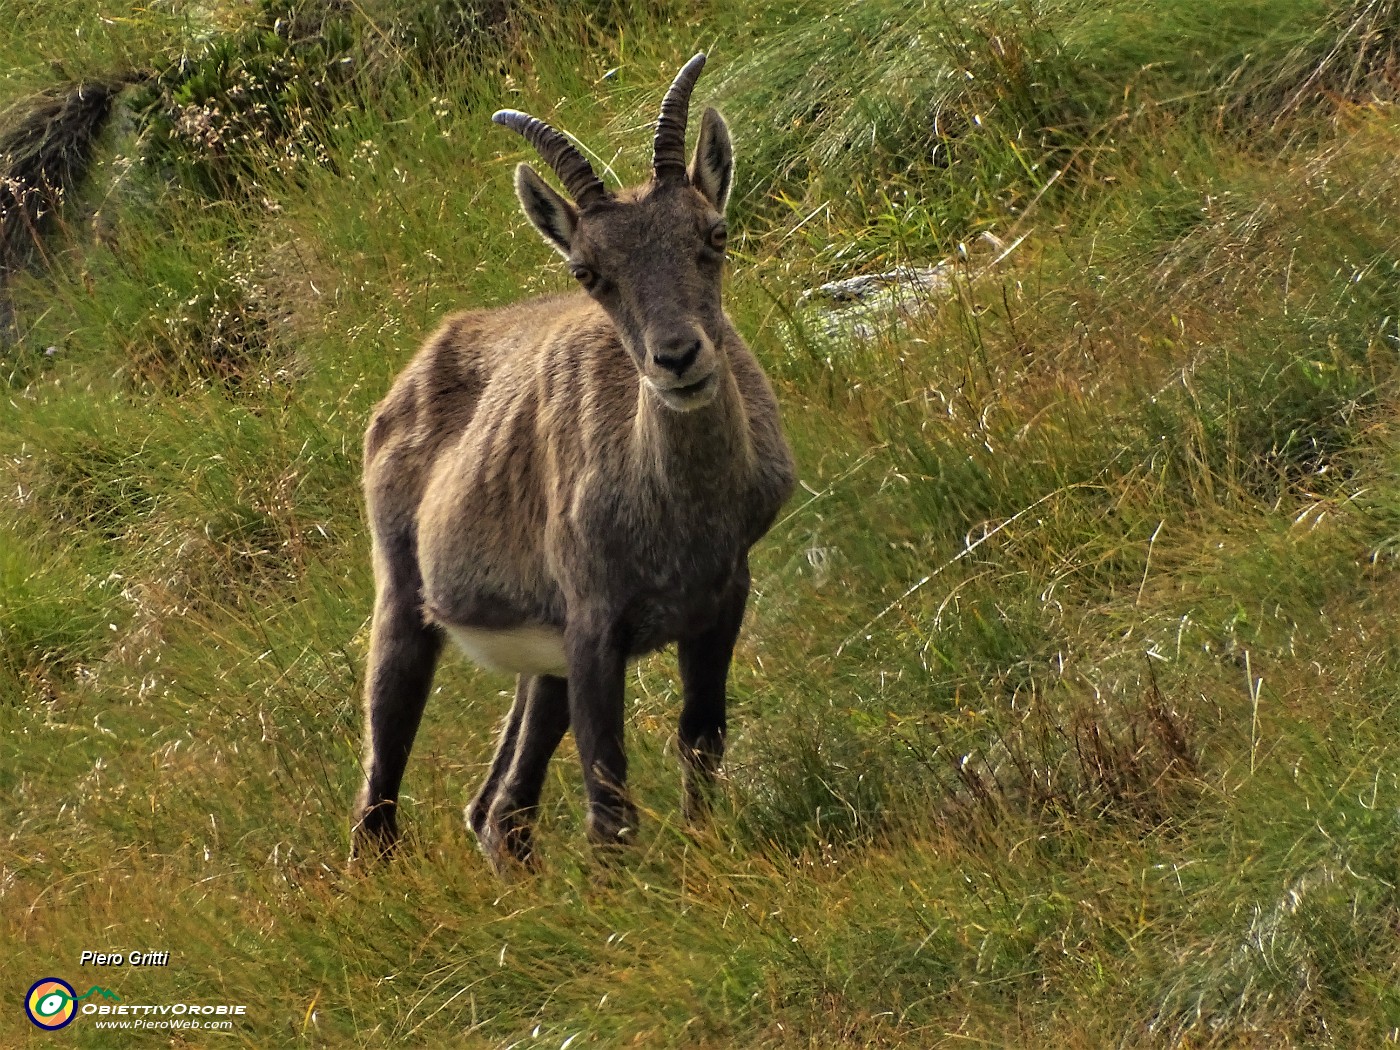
(529, 650)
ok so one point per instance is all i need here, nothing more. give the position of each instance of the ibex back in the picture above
(568, 483)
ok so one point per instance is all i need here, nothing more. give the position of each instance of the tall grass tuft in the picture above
(46, 145)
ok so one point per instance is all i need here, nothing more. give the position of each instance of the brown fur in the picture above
(549, 465)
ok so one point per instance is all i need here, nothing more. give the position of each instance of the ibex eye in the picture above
(585, 276)
(719, 236)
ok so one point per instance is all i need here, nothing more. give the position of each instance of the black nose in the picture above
(677, 356)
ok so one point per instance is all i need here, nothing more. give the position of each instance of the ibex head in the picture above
(651, 256)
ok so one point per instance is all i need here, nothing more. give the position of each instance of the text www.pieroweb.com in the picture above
(186, 1016)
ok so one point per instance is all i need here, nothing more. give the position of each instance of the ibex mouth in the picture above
(688, 397)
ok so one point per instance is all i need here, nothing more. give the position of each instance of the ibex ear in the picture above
(712, 167)
(547, 211)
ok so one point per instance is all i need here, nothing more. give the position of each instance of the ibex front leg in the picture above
(597, 663)
(704, 664)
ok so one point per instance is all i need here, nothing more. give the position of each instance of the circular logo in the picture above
(51, 1003)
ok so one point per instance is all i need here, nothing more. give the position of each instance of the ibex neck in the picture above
(701, 449)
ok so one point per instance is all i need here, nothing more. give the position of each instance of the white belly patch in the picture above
(533, 649)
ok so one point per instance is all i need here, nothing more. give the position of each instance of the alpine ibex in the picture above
(571, 482)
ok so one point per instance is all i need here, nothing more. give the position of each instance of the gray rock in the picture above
(862, 307)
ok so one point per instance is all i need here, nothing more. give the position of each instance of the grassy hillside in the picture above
(1066, 709)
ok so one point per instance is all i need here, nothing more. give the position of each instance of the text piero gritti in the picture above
(133, 958)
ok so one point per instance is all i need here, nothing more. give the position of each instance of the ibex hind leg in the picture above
(402, 658)
(509, 732)
(502, 814)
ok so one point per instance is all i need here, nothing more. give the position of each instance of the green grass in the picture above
(1065, 712)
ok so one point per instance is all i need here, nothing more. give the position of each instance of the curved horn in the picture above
(668, 152)
(559, 153)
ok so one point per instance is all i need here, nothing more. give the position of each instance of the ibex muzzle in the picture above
(568, 483)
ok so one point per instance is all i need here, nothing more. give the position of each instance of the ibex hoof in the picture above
(612, 828)
(695, 809)
(374, 834)
(476, 816)
(697, 798)
(506, 840)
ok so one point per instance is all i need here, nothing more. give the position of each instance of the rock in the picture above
(863, 306)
